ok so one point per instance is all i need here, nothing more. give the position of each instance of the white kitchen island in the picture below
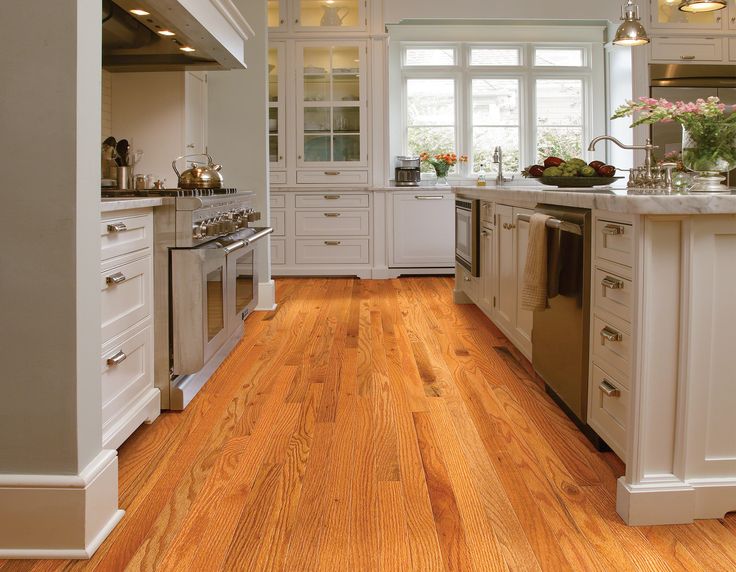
(672, 419)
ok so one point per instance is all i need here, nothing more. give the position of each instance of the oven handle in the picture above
(242, 243)
(237, 245)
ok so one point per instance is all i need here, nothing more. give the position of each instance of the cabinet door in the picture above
(665, 14)
(195, 109)
(331, 16)
(487, 269)
(277, 16)
(524, 318)
(506, 288)
(423, 230)
(276, 106)
(732, 18)
(331, 110)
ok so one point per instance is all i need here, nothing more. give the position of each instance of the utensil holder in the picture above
(124, 173)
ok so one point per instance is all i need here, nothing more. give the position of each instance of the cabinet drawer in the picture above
(612, 293)
(124, 235)
(612, 344)
(278, 201)
(123, 381)
(278, 251)
(278, 222)
(687, 49)
(467, 282)
(344, 251)
(277, 177)
(332, 223)
(609, 411)
(332, 177)
(614, 241)
(333, 201)
(486, 212)
(127, 302)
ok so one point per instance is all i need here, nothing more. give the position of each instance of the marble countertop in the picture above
(120, 204)
(609, 199)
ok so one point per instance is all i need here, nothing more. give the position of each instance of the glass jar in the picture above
(709, 150)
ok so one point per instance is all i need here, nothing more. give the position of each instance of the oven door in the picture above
(241, 279)
(199, 315)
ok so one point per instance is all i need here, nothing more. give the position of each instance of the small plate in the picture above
(578, 181)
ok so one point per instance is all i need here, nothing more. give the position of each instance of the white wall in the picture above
(396, 10)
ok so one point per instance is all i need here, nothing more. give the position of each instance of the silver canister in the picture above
(124, 173)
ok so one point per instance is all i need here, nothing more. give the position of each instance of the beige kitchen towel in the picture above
(534, 281)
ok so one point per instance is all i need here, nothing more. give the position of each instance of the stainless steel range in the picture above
(205, 283)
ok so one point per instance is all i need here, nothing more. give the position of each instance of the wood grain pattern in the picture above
(375, 425)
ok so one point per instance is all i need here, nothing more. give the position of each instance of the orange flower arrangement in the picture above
(442, 162)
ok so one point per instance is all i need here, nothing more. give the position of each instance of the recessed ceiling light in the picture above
(166, 33)
(139, 12)
(187, 49)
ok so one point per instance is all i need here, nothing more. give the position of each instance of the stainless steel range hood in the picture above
(212, 32)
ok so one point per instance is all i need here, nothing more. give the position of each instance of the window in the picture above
(531, 100)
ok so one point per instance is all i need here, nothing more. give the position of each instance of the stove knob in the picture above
(197, 231)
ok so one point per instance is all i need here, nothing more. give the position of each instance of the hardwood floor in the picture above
(375, 425)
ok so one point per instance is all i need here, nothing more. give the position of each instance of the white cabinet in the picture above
(276, 107)
(665, 15)
(195, 112)
(677, 49)
(511, 244)
(487, 286)
(129, 396)
(334, 17)
(422, 226)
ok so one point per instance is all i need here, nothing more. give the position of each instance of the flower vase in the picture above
(441, 177)
(709, 150)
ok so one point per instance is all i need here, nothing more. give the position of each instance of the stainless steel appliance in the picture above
(560, 334)
(206, 283)
(688, 82)
(407, 172)
(467, 238)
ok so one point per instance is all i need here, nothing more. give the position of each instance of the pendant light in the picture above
(631, 32)
(701, 5)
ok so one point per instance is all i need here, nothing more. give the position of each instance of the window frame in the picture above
(527, 73)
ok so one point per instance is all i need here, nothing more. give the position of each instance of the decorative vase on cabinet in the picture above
(709, 150)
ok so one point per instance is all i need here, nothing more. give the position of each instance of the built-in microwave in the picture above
(467, 242)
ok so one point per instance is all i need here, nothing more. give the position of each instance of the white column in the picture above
(58, 488)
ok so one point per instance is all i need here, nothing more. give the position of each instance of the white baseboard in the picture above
(59, 516)
(677, 502)
(266, 296)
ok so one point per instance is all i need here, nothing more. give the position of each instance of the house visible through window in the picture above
(532, 100)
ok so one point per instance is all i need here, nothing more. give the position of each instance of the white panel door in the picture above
(505, 263)
(423, 230)
(524, 318)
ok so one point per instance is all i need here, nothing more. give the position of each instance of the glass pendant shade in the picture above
(701, 5)
(630, 32)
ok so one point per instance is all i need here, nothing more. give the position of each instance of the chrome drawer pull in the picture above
(613, 229)
(687, 57)
(612, 283)
(117, 359)
(609, 389)
(428, 197)
(332, 215)
(332, 197)
(333, 242)
(332, 173)
(116, 278)
(611, 335)
(116, 227)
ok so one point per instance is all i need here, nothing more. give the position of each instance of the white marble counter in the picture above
(120, 204)
(608, 199)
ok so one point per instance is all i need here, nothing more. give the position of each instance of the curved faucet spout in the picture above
(591, 147)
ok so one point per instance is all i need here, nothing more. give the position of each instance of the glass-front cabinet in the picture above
(331, 116)
(277, 15)
(276, 106)
(317, 15)
(665, 14)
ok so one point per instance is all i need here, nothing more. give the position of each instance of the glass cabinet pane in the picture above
(317, 148)
(668, 14)
(275, 18)
(330, 13)
(273, 75)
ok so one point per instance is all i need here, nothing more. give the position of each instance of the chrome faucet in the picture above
(498, 160)
(648, 147)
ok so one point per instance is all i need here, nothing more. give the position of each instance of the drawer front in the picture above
(467, 282)
(278, 222)
(278, 201)
(612, 344)
(277, 177)
(332, 223)
(612, 293)
(614, 241)
(609, 412)
(332, 177)
(124, 235)
(687, 50)
(333, 201)
(278, 251)
(486, 212)
(344, 251)
(126, 371)
(127, 302)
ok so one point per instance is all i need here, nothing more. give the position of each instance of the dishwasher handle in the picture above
(556, 224)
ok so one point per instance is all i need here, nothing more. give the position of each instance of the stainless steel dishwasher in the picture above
(560, 335)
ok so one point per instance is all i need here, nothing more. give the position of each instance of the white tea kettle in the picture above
(332, 15)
